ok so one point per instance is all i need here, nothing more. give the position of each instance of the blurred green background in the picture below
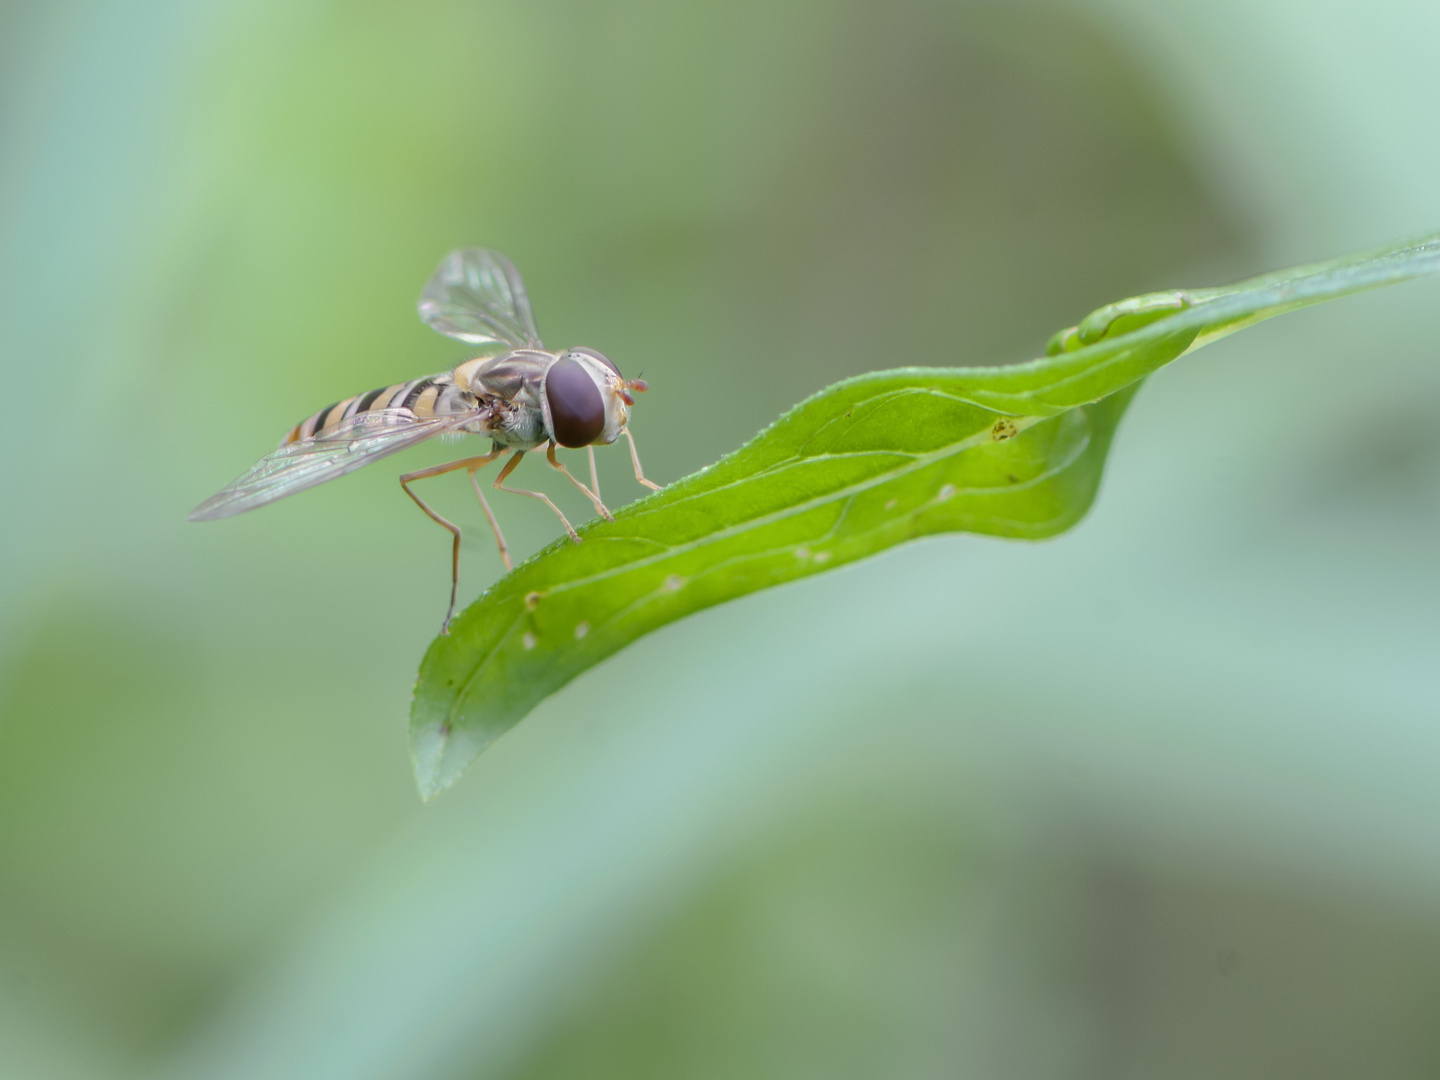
(1154, 799)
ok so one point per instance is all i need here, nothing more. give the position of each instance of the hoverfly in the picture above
(516, 393)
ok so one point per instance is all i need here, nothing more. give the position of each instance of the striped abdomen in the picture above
(434, 395)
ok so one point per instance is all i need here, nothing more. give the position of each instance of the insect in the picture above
(518, 394)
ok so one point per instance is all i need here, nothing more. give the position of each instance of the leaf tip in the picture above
(427, 751)
(440, 753)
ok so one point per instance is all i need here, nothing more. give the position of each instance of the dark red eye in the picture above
(577, 411)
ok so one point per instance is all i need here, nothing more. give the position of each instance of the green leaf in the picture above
(867, 463)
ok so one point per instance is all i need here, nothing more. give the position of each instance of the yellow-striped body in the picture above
(503, 391)
(434, 395)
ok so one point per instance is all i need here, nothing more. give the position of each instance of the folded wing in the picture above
(356, 442)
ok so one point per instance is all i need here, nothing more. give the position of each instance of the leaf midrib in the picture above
(917, 462)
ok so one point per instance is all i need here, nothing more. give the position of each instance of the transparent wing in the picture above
(476, 295)
(300, 465)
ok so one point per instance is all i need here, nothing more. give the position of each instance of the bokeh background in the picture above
(1154, 799)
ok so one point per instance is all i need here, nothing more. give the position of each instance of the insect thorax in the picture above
(510, 385)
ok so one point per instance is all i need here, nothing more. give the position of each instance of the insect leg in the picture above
(490, 517)
(635, 458)
(425, 474)
(594, 476)
(594, 498)
(499, 485)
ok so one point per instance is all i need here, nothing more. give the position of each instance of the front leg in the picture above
(555, 463)
(635, 460)
(499, 485)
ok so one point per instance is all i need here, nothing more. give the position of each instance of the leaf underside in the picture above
(865, 464)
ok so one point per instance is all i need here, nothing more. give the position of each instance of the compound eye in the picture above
(604, 360)
(577, 411)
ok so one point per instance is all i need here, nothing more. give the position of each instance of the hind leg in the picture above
(472, 464)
